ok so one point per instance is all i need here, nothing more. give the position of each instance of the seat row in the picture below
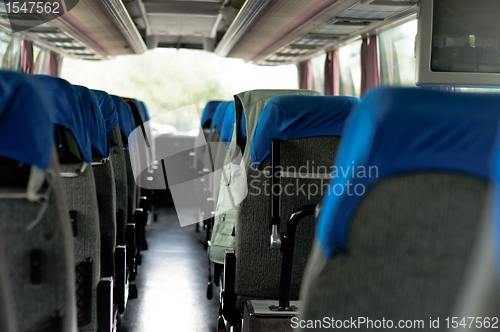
(72, 214)
(398, 185)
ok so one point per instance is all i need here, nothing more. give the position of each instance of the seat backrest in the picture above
(205, 122)
(8, 322)
(127, 126)
(109, 112)
(37, 245)
(416, 162)
(309, 128)
(216, 126)
(233, 180)
(221, 148)
(80, 191)
(208, 113)
(142, 149)
(103, 175)
(214, 143)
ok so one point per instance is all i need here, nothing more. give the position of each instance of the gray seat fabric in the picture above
(7, 315)
(80, 192)
(409, 243)
(131, 188)
(106, 199)
(257, 266)
(36, 303)
(120, 175)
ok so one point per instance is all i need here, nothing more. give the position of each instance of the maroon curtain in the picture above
(305, 75)
(27, 61)
(53, 64)
(370, 65)
(332, 74)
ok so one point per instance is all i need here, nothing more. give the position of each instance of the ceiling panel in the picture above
(181, 25)
(313, 26)
(183, 7)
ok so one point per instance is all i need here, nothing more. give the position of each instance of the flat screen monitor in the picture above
(458, 43)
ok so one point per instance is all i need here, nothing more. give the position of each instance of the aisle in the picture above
(172, 281)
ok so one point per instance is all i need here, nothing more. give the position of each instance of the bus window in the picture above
(10, 50)
(397, 59)
(4, 42)
(168, 79)
(318, 73)
(350, 69)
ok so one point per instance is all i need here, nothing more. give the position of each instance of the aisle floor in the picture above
(172, 281)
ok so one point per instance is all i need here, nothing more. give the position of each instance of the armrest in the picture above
(288, 249)
(139, 228)
(121, 280)
(131, 250)
(228, 296)
(105, 310)
(275, 221)
(120, 227)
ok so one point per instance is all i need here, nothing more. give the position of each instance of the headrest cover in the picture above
(404, 130)
(292, 116)
(218, 118)
(125, 117)
(228, 124)
(94, 120)
(108, 109)
(208, 112)
(141, 107)
(26, 129)
(66, 111)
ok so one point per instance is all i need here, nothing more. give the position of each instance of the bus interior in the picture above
(249, 165)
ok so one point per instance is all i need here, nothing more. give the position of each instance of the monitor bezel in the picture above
(424, 76)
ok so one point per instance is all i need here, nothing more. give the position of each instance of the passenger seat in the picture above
(75, 156)
(109, 112)
(37, 240)
(398, 247)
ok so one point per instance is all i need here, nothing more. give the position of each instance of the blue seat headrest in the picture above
(218, 118)
(289, 117)
(141, 108)
(243, 126)
(26, 129)
(66, 110)
(228, 124)
(208, 112)
(404, 130)
(108, 109)
(125, 117)
(94, 120)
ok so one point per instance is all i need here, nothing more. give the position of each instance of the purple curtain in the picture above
(305, 75)
(27, 61)
(332, 74)
(370, 65)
